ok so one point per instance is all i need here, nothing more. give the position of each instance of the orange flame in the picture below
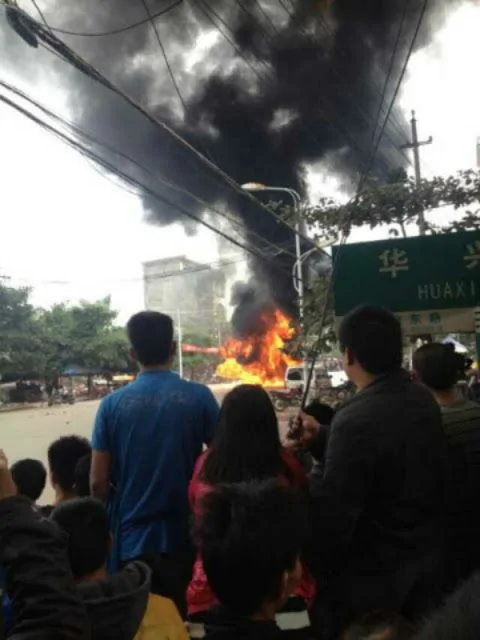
(259, 359)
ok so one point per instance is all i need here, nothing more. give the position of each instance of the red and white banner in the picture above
(192, 348)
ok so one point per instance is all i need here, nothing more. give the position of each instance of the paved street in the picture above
(28, 432)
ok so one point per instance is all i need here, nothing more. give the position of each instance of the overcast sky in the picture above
(98, 248)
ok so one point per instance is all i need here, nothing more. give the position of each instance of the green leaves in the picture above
(35, 342)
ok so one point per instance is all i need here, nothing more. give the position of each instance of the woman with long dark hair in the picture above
(246, 447)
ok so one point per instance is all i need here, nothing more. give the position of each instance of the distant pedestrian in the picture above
(146, 440)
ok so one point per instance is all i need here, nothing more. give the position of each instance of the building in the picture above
(187, 290)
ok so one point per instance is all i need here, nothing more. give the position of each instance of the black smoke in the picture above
(287, 82)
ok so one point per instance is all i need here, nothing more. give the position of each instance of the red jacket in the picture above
(199, 595)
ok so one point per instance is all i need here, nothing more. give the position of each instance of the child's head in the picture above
(86, 523)
(380, 626)
(250, 537)
(82, 476)
(30, 476)
(63, 455)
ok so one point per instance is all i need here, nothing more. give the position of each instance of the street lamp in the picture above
(298, 267)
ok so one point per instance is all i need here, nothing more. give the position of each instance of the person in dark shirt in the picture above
(119, 606)
(250, 539)
(30, 477)
(459, 618)
(378, 510)
(436, 366)
(146, 440)
(63, 456)
(43, 601)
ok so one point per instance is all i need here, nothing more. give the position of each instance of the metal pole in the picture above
(415, 146)
(180, 345)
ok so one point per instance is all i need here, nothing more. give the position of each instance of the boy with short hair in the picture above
(63, 456)
(250, 537)
(119, 606)
(30, 477)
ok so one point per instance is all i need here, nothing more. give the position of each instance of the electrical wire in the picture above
(362, 111)
(89, 70)
(361, 184)
(111, 32)
(209, 12)
(93, 140)
(147, 190)
(164, 54)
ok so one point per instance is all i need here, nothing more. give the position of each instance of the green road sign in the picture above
(422, 274)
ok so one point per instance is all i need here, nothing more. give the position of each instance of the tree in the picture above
(20, 341)
(399, 202)
(83, 336)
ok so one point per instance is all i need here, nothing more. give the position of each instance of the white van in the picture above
(333, 378)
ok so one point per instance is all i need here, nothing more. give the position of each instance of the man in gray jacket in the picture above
(377, 509)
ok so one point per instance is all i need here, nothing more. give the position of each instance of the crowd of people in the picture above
(184, 519)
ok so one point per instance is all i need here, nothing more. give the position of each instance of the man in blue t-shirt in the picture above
(146, 439)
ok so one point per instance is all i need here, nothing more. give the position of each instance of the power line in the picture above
(164, 54)
(111, 32)
(79, 63)
(362, 111)
(80, 132)
(338, 127)
(147, 190)
(361, 183)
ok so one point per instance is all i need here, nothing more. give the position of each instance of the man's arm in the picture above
(211, 411)
(338, 500)
(101, 447)
(33, 553)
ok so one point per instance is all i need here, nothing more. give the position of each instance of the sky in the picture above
(97, 249)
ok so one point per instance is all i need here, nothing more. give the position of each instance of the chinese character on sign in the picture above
(416, 318)
(393, 261)
(472, 259)
(435, 318)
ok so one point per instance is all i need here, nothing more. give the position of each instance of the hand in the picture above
(311, 428)
(7, 485)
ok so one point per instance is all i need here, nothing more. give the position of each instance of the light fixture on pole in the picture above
(299, 231)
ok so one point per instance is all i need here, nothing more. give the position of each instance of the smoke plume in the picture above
(268, 86)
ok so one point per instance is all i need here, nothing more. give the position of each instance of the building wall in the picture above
(177, 285)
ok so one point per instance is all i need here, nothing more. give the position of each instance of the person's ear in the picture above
(173, 349)
(132, 355)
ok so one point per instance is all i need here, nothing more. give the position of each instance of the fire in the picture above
(259, 359)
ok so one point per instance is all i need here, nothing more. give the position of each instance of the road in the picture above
(27, 433)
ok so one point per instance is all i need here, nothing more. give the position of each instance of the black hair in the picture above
(85, 522)
(248, 536)
(247, 442)
(30, 477)
(380, 626)
(322, 413)
(63, 455)
(81, 476)
(151, 336)
(373, 337)
(436, 366)
(459, 618)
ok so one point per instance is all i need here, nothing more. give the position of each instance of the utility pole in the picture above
(415, 144)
